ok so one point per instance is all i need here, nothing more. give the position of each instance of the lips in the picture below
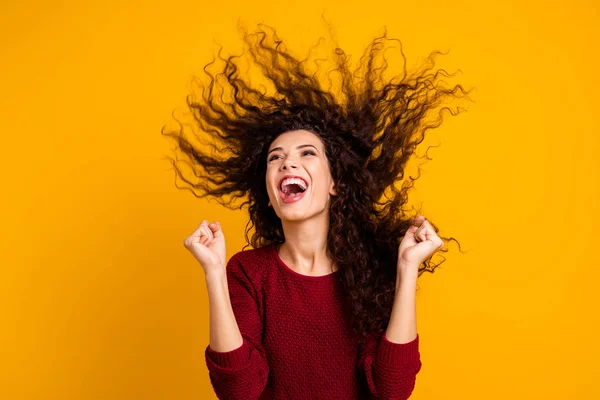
(294, 198)
(291, 176)
(291, 199)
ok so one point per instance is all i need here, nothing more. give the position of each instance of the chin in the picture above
(293, 216)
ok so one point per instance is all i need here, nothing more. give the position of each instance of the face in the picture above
(299, 153)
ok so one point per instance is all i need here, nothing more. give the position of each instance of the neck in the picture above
(305, 246)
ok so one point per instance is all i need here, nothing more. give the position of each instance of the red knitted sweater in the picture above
(297, 344)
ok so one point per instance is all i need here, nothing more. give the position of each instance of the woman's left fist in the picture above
(419, 244)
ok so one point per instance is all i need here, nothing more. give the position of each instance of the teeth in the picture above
(290, 181)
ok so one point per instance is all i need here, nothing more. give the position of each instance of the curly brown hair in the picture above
(370, 131)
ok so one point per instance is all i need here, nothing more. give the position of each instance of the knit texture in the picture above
(297, 343)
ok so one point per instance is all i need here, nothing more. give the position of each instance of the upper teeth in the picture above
(290, 181)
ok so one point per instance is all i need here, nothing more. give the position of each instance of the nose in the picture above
(289, 164)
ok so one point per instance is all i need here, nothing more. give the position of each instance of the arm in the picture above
(236, 361)
(391, 360)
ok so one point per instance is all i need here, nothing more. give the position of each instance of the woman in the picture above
(323, 305)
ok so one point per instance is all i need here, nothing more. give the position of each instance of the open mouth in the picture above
(292, 189)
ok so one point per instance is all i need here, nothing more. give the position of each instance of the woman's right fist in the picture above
(207, 245)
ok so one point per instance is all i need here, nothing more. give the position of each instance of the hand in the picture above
(419, 244)
(207, 245)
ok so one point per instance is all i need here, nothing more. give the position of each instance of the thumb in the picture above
(216, 228)
(431, 246)
(426, 248)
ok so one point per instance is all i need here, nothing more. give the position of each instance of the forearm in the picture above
(224, 331)
(391, 363)
(402, 327)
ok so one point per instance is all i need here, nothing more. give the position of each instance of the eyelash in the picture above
(304, 152)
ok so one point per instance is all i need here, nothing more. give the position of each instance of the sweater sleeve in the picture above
(241, 373)
(389, 368)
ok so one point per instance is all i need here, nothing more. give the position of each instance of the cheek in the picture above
(269, 183)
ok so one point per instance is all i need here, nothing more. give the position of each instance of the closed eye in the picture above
(303, 153)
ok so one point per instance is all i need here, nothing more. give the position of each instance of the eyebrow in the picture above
(297, 148)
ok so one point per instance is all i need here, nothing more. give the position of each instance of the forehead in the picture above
(291, 138)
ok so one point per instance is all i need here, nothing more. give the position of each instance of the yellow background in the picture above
(100, 300)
